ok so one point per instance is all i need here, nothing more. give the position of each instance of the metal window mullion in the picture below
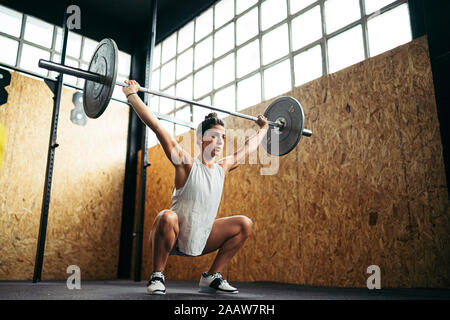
(53, 50)
(36, 45)
(55, 32)
(175, 77)
(275, 62)
(191, 73)
(186, 49)
(246, 10)
(21, 40)
(193, 65)
(80, 57)
(364, 29)
(289, 18)
(291, 56)
(223, 86)
(305, 9)
(260, 52)
(343, 29)
(324, 43)
(243, 44)
(235, 59)
(213, 64)
(249, 75)
(176, 57)
(7, 35)
(160, 56)
(385, 9)
(309, 46)
(207, 35)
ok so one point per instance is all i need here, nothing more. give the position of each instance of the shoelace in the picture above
(217, 275)
(155, 280)
(157, 277)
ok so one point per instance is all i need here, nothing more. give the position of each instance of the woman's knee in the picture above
(246, 225)
(167, 220)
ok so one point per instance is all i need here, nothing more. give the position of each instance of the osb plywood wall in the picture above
(368, 188)
(86, 198)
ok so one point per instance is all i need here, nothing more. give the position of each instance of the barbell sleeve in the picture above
(72, 71)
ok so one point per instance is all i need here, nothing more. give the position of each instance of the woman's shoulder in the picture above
(182, 174)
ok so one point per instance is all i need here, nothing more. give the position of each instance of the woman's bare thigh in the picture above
(222, 230)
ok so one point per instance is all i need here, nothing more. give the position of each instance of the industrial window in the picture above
(223, 13)
(272, 12)
(25, 39)
(11, 21)
(381, 37)
(9, 50)
(297, 5)
(241, 52)
(345, 49)
(248, 58)
(308, 65)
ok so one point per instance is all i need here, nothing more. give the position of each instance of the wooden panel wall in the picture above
(86, 199)
(368, 188)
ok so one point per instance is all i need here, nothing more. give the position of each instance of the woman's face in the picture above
(213, 141)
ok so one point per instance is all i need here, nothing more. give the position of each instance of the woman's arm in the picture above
(171, 148)
(251, 145)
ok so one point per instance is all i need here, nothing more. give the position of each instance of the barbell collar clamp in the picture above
(307, 133)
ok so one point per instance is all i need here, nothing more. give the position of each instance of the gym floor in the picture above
(187, 290)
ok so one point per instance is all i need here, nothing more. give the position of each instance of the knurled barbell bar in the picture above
(285, 115)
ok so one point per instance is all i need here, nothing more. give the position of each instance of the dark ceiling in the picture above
(124, 21)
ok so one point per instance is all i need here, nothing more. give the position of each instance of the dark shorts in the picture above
(176, 252)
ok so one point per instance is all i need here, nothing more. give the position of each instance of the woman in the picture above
(189, 227)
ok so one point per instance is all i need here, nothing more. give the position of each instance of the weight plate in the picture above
(96, 96)
(289, 111)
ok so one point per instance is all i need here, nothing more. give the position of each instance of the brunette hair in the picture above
(210, 121)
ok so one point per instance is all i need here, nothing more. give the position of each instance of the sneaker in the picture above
(214, 283)
(156, 284)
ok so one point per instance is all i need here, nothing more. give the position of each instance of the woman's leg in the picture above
(227, 234)
(163, 238)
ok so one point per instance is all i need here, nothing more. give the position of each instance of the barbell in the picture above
(285, 115)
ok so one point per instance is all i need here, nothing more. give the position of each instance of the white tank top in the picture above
(196, 205)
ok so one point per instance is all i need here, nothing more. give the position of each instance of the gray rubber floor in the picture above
(187, 290)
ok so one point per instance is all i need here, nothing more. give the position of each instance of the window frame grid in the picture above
(323, 42)
(21, 40)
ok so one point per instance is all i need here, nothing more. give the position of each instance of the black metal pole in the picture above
(144, 152)
(57, 90)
